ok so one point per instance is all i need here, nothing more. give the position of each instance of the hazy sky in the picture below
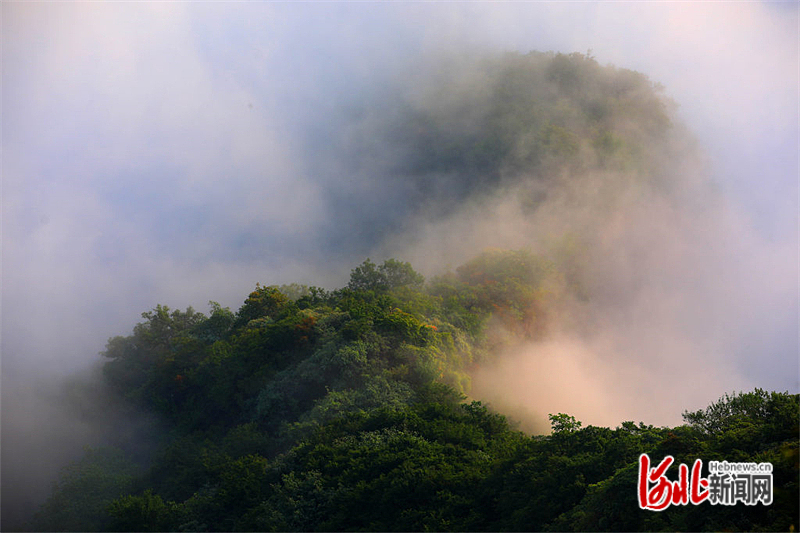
(165, 152)
(176, 153)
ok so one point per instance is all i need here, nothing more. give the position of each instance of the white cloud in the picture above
(135, 170)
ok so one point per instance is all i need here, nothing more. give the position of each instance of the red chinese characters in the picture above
(656, 492)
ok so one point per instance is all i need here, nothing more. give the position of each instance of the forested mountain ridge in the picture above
(315, 409)
(542, 131)
(344, 410)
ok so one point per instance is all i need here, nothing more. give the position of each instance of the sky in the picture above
(162, 152)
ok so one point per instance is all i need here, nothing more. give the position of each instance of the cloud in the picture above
(685, 304)
(176, 153)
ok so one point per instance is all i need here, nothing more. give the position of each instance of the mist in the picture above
(180, 153)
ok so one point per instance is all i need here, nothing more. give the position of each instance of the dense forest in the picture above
(352, 409)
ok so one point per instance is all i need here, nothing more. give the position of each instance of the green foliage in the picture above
(721, 432)
(746, 408)
(390, 275)
(562, 423)
(296, 291)
(343, 410)
(515, 286)
(264, 302)
(346, 413)
(536, 121)
(217, 326)
(409, 469)
(155, 342)
(85, 489)
(162, 327)
(311, 409)
(147, 512)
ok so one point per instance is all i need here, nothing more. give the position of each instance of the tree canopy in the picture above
(346, 410)
(350, 409)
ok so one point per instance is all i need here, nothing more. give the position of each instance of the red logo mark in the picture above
(656, 492)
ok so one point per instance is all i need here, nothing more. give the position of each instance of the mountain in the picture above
(354, 408)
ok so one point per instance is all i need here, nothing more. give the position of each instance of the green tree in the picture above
(84, 489)
(262, 302)
(146, 512)
(563, 423)
(390, 275)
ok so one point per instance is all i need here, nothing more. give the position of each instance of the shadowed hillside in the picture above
(571, 198)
